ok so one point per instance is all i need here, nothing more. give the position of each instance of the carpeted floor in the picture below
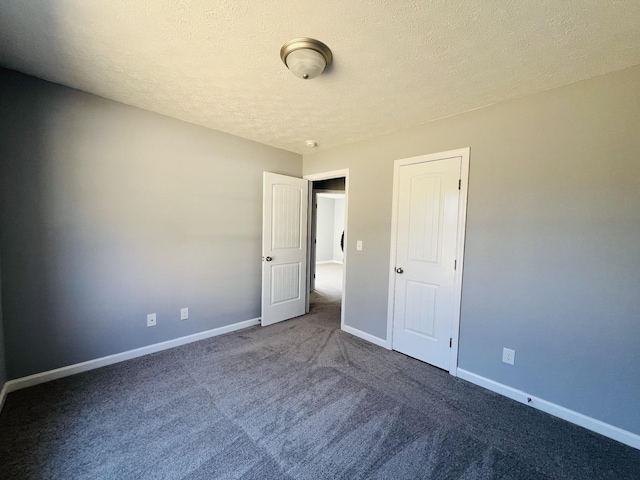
(296, 400)
(328, 285)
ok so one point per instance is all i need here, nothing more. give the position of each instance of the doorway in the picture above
(327, 244)
(328, 240)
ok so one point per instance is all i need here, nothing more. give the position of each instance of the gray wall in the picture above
(552, 263)
(324, 229)
(108, 212)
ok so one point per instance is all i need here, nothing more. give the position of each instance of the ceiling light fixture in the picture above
(306, 57)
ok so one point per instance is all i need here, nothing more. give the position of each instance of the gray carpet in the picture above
(296, 400)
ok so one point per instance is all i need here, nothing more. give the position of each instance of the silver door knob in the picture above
(268, 259)
(399, 270)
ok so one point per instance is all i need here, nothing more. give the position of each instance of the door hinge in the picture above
(460, 184)
(450, 342)
(455, 264)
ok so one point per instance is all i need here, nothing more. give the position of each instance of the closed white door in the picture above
(284, 247)
(428, 198)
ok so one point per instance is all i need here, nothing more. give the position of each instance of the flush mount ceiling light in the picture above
(306, 57)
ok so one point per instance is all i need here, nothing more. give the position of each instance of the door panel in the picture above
(425, 218)
(284, 247)
(285, 221)
(285, 283)
(426, 243)
(420, 308)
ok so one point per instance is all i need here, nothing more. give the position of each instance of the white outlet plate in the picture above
(151, 320)
(509, 356)
(184, 313)
(359, 245)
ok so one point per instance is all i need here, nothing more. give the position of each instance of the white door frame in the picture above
(462, 220)
(328, 176)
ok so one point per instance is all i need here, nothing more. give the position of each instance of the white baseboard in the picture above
(622, 436)
(35, 379)
(366, 336)
(325, 262)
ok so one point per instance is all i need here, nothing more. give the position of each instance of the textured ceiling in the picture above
(397, 63)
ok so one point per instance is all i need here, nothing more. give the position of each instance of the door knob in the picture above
(399, 270)
(268, 259)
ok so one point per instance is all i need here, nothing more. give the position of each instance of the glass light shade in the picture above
(306, 63)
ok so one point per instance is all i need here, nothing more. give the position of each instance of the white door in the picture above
(284, 247)
(424, 313)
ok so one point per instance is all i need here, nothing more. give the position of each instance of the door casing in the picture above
(463, 153)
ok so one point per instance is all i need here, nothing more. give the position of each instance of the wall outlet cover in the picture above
(184, 313)
(151, 320)
(509, 356)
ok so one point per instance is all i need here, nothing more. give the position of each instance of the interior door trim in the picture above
(463, 153)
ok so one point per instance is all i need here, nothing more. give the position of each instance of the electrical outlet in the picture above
(184, 313)
(151, 320)
(509, 356)
(359, 245)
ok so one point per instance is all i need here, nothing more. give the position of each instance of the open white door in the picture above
(284, 247)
